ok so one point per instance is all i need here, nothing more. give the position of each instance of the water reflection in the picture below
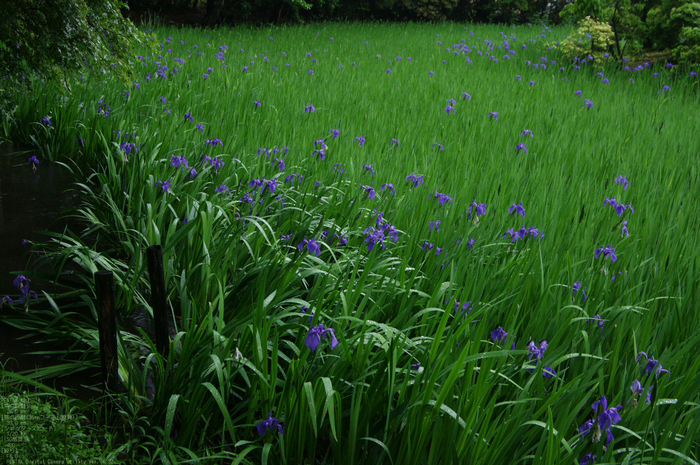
(30, 201)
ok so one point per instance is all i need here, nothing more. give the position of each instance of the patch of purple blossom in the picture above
(416, 180)
(577, 287)
(619, 207)
(606, 251)
(313, 339)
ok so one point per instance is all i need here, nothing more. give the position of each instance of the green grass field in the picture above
(398, 158)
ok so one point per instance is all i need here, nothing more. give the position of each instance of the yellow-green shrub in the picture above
(592, 38)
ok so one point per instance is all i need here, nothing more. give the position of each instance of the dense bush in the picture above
(55, 39)
(675, 24)
(593, 38)
(652, 25)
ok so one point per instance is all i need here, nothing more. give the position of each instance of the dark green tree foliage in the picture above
(508, 11)
(285, 11)
(431, 10)
(625, 18)
(268, 11)
(675, 24)
(57, 38)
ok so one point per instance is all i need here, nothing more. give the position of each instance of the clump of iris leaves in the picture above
(383, 244)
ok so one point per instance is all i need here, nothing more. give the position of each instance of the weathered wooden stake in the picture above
(107, 322)
(158, 298)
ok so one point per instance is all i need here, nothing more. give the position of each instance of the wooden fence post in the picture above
(107, 322)
(158, 299)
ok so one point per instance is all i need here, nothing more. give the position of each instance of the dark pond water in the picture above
(31, 201)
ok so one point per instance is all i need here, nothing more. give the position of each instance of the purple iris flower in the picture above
(443, 198)
(270, 423)
(311, 245)
(494, 115)
(526, 132)
(625, 231)
(499, 335)
(188, 116)
(388, 186)
(652, 365)
(304, 308)
(417, 180)
(221, 188)
(391, 231)
(466, 305)
(637, 387)
(128, 147)
(608, 417)
(619, 207)
(374, 236)
(343, 240)
(520, 147)
(415, 366)
(313, 339)
(179, 161)
(450, 109)
(587, 459)
(480, 209)
(360, 140)
(519, 209)
(435, 225)
(579, 93)
(370, 191)
(309, 109)
(586, 428)
(577, 286)
(335, 132)
(217, 163)
(548, 372)
(622, 180)
(21, 282)
(282, 164)
(272, 185)
(466, 96)
(606, 251)
(588, 103)
(34, 161)
(536, 351)
(165, 185)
